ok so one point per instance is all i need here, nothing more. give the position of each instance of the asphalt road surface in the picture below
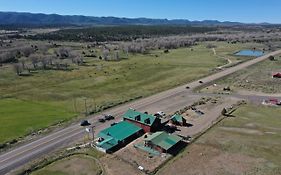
(167, 101)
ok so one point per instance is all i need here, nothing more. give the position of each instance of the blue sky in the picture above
(231, 10)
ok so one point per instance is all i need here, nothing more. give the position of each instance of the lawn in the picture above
(248, 143)
(74, 165)
(50, 96)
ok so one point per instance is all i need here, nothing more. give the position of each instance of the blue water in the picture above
(252, 53)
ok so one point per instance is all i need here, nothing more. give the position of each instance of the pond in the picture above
(252, 53)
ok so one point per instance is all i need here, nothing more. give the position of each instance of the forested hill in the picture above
(16, 18)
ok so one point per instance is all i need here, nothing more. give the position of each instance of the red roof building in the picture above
(148, 123)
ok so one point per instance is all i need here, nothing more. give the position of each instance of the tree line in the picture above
(32, 58)
(118, 33)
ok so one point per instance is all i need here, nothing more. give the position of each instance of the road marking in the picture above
(14, 155)
(8, 164)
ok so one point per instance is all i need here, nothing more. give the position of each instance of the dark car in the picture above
(112, 124)
(108, 117)
(200, 82)
(199, 112)
(85, 123)
(101, 120)
(193, 108)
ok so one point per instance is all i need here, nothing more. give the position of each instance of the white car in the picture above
(161, 113)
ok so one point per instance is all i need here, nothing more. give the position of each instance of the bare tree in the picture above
(8, 57)
(105, 54)
(116, 55)
(44, 62)
(18, 68)
(35, 60)
(43, 48)
(62, 53)
(50, 59)
(27, 51)
(78, 60)
(22, 61)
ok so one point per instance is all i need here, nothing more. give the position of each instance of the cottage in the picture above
(162, 141)
(147, 122)
(117, 136)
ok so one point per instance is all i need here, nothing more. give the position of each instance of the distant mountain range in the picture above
(18, 18)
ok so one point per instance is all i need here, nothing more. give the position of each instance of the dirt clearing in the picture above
(248, 143)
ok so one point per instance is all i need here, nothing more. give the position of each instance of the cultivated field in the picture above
(51, 96)
(248, 143)
(257, 78)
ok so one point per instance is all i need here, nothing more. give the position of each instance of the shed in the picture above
(118, 135)
(147, 122)
(178, 120)
(162, 141)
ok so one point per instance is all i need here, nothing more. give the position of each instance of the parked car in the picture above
(161, 113)
(85, 123)
(112, 124)
(101, 120)
(200, 82)
(199, 112)
(108, 117)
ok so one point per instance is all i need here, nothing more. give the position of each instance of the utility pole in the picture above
(95, 106)
(85, 99)
(75, 105)
(93, 133)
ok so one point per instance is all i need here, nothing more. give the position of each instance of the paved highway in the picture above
(168, 101)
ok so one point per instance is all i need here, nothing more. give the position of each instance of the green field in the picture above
(248, 143)
(264, 142)
(49, 96)
(19, 117)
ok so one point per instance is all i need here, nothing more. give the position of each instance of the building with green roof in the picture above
(118, 135)
(147, 122)
(162, 141)
(178, 120)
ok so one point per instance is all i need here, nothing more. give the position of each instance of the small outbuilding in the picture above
(162, 141)
(117, 136)
(178, 120)
(147, 122)
(277, 75)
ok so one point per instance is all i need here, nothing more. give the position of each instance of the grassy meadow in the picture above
(74, 165)
(257, 78)
(248, 143)
(50, 96)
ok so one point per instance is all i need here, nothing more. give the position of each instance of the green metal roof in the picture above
(120, 131)
(177, 118)
(132, 114)
(108, 143)
(163, 139)
(116, 133)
